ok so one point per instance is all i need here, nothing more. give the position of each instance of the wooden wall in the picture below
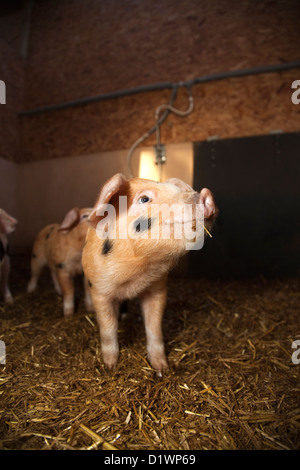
(12, 69)
(88, 47)
(82, 48)
(232, 108)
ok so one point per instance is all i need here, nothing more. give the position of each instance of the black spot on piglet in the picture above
(142, 224)
(107, 246)
(49, 233)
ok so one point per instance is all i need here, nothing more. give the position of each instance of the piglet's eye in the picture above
(144, 199)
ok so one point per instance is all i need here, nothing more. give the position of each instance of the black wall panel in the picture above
(256, 183)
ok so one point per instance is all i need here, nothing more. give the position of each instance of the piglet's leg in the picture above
(153, 305)
(107, 317)
(55, 282)
(67, 287)
(87, 296)
(37, 263)
(4, 275)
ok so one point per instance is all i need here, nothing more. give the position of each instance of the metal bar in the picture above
(161, 86)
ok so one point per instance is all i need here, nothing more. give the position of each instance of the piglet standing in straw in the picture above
(7, 226)
(60, 247)
(138, 230)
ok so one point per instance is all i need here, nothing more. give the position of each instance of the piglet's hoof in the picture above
(161, 373)
(110, 360)
(68, 314)
(160, 365)
(9, 300)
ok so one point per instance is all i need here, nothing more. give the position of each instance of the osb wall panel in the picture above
(12, 73)
(87, 47)
(235, 107)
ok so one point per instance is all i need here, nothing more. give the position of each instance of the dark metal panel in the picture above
(256, 184)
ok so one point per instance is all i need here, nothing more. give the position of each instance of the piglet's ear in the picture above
(181, 184)
(116, 184)
(207, 199)
(7, 222)
(70, 221)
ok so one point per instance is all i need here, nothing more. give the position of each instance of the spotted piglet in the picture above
(60, 247)
(138, 230)
(7, 226)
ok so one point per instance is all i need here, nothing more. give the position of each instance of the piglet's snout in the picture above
(192, 207)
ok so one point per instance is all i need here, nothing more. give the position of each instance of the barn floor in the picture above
(231, 385)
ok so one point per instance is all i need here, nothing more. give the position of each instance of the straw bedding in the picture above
(231, 384)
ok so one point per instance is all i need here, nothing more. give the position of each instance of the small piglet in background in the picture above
(60, 247)
(7, 226)
(120, 267)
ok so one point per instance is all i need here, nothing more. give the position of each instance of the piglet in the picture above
(7, 226)
(60, 247)
(138, 230)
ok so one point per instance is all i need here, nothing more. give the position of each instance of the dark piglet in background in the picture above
(7, 226)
